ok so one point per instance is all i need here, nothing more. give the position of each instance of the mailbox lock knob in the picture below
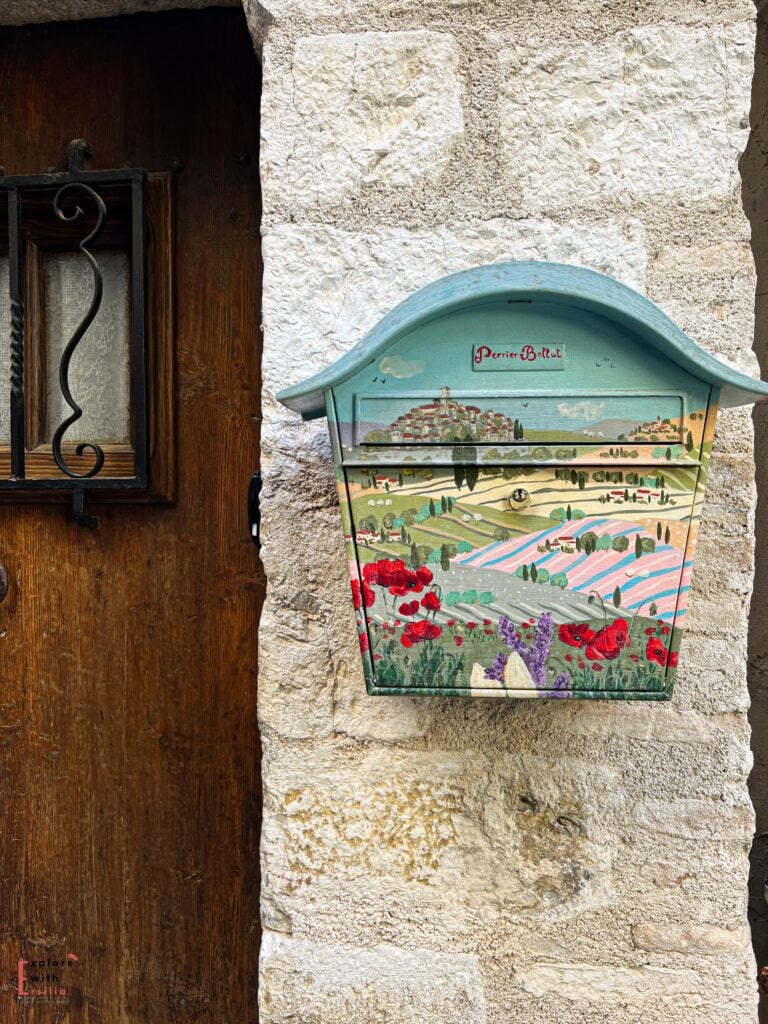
(519, 498)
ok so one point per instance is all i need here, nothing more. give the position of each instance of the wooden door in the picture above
(128, 740)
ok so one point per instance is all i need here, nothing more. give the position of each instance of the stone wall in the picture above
(444, 861)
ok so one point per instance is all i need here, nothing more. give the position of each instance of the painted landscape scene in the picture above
(537, 419)
(521, 581)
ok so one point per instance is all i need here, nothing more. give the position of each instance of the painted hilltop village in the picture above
(527, 579)
(444, 419)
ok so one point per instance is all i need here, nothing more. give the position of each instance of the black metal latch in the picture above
(254, 509)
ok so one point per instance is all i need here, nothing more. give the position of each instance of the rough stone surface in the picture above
(317, 984)
(375, 107)
(688, 938)
(660, 110)
(434, 860)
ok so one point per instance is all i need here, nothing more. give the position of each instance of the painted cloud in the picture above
(395, 366)
(581, 410)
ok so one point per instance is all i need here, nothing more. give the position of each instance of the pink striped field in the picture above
(653, 577)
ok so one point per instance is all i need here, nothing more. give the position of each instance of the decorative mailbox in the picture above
(522, 451)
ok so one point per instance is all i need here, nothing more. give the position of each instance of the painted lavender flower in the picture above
(534, 657)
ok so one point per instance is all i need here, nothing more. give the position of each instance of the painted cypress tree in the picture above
(617, 598)
(414, 557)
(658, 530)
(445, 562)
(666, 536)
(638, 546)
(525, 572)
(534, 571)
(432, 508)
(443, 504)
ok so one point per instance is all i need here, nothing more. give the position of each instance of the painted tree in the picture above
(667, 535)
(617, 598)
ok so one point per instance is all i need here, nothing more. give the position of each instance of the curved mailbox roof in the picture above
(532, 281)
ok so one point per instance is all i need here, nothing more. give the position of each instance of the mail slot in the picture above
(522, 451)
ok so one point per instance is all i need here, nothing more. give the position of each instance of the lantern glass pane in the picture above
(99, 374)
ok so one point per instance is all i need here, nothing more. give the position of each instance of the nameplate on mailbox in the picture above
(524, 356)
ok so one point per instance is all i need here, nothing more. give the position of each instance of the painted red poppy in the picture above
(656, 651)
(408, 608)
(424, 575)
(569, 657)
(597, 667)
(417, 632)
(672, 660)
(458, 640)
(362, 596)
(431, 602)
(609, 641)
(575, 634)
(471, 625)
(395, 576)
(363, 642)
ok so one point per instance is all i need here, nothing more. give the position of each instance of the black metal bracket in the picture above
(80, 511)
(254, 509)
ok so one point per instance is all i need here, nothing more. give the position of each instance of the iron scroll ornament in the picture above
(91, 314)
(90, 203)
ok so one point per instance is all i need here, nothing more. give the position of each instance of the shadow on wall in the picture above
(754, 168)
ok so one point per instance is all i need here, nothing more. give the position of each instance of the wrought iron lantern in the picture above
(80, 216)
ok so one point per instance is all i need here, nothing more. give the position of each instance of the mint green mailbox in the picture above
(522, 451)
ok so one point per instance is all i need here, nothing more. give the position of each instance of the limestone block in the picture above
(608, 984)
(697, 819)
(295, 685)
(316, 984)
(351, 110)
(355, 714)
(455, 842)
(664, 937)
(658, 110)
